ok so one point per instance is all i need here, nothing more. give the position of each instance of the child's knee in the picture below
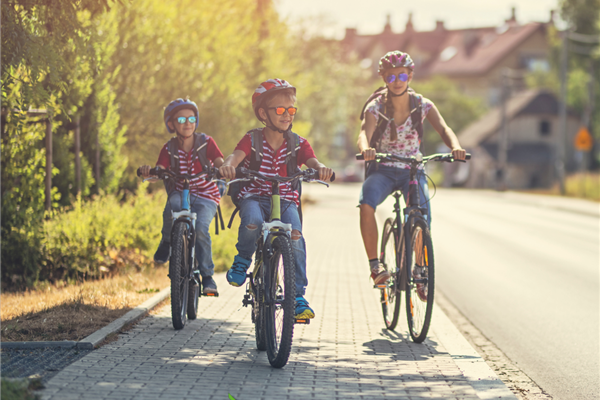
(251, 227)
(296, 234)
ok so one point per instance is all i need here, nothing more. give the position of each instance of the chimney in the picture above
(470, 41)
(388, 26)
(552, 16)
(409, 24)
(513, 16)
(439, 26)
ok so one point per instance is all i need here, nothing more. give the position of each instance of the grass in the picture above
(74, 311)
(19, 389)
(580, 185)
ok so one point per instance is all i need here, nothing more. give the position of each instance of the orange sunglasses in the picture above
(281, 110)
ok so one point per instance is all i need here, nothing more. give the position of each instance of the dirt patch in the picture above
(72, 312)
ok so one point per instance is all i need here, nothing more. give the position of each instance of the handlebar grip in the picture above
(468, 156)
(360, 157)
(139, 172)
(332, 177)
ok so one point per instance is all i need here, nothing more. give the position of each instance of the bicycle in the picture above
(185, 279)
(271, 290)
(411, 246)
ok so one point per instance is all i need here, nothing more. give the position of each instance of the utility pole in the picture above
(561, 138)
(77, 159)
(501, 172)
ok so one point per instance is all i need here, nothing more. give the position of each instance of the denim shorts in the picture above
(386, 180)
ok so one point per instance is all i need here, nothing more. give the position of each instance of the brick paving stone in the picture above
(345, 353)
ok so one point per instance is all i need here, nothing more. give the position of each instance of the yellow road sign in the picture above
(583, 140)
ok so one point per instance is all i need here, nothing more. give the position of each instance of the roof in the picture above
(456, 52)
(532, 101)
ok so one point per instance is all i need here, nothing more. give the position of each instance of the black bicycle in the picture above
(407, 254)
(183, 266)
(271, 290)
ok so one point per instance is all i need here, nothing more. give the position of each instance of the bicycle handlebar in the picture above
(307, 175)
(447, 157)
(163, 173)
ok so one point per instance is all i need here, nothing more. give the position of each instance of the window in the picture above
(545, 128)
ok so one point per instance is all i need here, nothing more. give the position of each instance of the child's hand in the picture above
(459, 154)
(227, 171)
(324, 173)
(145, 171)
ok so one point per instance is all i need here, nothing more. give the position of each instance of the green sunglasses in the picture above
(191, 120)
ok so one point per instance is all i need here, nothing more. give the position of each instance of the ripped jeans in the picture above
(254, 210)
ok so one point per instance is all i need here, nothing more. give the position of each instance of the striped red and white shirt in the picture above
(273, 163)
(191, 165)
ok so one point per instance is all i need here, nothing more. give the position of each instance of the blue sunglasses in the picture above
(391, 78)
(191, 120)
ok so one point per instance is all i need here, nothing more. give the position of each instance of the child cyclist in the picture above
(390, 126)
(181, 118)
(273, 103)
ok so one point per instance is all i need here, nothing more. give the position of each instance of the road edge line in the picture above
(476, 371)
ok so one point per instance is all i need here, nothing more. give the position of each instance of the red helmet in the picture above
(266, 90)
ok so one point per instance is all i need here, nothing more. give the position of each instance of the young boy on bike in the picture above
(273, 104)
(390, 126)
(181, 118)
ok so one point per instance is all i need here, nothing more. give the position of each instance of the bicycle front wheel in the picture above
(390, 296)
(280, 302)
(258, 305)
(179, 272)
(420, 278)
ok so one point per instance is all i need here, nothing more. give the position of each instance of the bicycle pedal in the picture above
(380, 286)
(302, 321)
(210, 294)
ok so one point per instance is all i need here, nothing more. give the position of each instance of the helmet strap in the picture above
(272, 127)
(397, 95)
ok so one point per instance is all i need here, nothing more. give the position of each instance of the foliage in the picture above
(457, 109)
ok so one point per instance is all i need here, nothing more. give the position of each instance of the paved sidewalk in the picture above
(344, 354)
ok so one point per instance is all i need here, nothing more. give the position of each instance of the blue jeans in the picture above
(254, 210)
(383, 182)
(205, 211)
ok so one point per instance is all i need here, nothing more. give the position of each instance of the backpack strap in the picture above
(173, 150)
(256, 152)
(200, 149)
(416, 112)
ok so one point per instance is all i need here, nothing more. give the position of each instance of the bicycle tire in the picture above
(420, 280)
(390, 296)
(192, 303)
(179, 274)
(279, 316)
(258, 306)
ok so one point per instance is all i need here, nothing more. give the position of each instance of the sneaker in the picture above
(163, 253)
(236, 276)
(379, 275)
(303, 311)
(418, 273)
(209, 285)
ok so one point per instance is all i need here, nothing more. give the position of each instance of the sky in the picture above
(369, 16)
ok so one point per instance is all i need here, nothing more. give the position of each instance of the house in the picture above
(533, 136)
(474, 58)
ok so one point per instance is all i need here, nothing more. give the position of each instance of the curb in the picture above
(476, 371)
(93, 340)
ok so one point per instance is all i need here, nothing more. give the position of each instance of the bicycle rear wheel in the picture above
(193, 296)
(281, 295)
(420, 276)
(390, 296)
(179, 271)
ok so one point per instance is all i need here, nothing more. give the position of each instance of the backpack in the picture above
(416, 107)
(256, 156)
(199, 150)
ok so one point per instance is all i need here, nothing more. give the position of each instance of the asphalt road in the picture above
(527, 275)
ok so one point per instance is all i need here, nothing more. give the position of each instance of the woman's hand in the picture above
(145, 171)
(459, 154)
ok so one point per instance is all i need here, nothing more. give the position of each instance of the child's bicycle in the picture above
(407, 242)
(271, 290)
(183, 268)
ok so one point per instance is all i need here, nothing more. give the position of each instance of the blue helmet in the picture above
(176, 105)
